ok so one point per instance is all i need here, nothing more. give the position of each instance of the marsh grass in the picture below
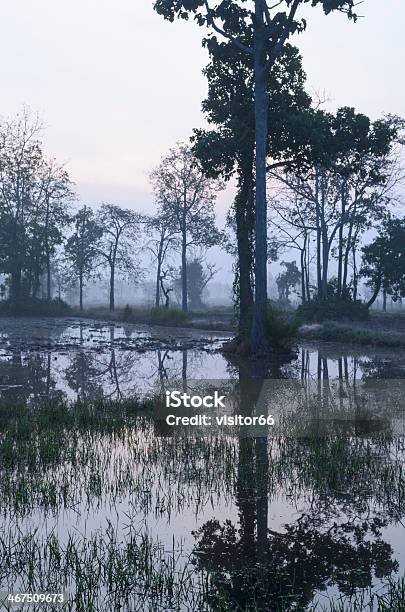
(391, 600)
(85, 458)
(106, 571)
(60, 455)
(73, 457)
(351, 333)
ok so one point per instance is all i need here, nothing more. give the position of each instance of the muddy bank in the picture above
(66, 334)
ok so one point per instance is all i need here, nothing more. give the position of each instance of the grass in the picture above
(91, 475)
(220, 319)
(35, 307)
(164, 316)
(59, 455)
(106, 571)
(63, 459)
(332, 309)
(138, 314)
(391, 600)
(347, 333)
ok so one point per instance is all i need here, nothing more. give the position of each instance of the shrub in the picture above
(280, 327)
(34, 307)
(168, 315)
(354, 334)
(333, 309)
(127, 315)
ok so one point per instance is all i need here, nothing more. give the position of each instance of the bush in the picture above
(154, 316)
(34, 307)
(128, 314)
(280, 327)
(168, 315)
(354, 334)
(331, 309)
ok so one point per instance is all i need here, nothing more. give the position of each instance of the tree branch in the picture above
(286, 33)
(235, 41)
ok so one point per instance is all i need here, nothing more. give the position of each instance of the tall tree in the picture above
(117, 246)
(199, 274)
(229, 148)
(81, 249)
(384, 261)
(163, 239)
(259, 30)
(287, 280)
(57, 194)
(186, 198)
(344, 189)
(35, 194)
(20, 158)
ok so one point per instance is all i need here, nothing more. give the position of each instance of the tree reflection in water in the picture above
(337, 540)
(27, 378)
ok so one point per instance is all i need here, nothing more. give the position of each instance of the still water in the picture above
(42, 358)
(321, 520)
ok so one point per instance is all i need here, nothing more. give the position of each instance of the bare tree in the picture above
(186, 199)
(81, 249)
(119, 245)
(164, 237)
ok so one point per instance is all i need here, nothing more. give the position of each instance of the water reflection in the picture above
(88, 359)
(344, 492)
(276, 520)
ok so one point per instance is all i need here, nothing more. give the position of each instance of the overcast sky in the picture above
(116, 85)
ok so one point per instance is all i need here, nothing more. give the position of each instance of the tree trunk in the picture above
(325, 245)
(48, 278)
(112, 288)
(318, 238)
(184, 287)
(303, 270)
(16, 286)
(259, 341)
(375, 294)
(325, 262)
(303, 288)
(307, 267)
(384, 300)
(157, 295)
(244, 203)
(81, 292)
(34, 284)
(347, 251)
(355, 279)
(340, 243)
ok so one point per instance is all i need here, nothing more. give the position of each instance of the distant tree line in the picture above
(338, 185)
(323, 209)
(45, 236)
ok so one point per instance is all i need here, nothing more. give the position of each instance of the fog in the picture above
(116, 85)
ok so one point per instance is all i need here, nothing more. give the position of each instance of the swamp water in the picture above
(99, 501)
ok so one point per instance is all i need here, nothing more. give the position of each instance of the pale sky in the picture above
(117, 86)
